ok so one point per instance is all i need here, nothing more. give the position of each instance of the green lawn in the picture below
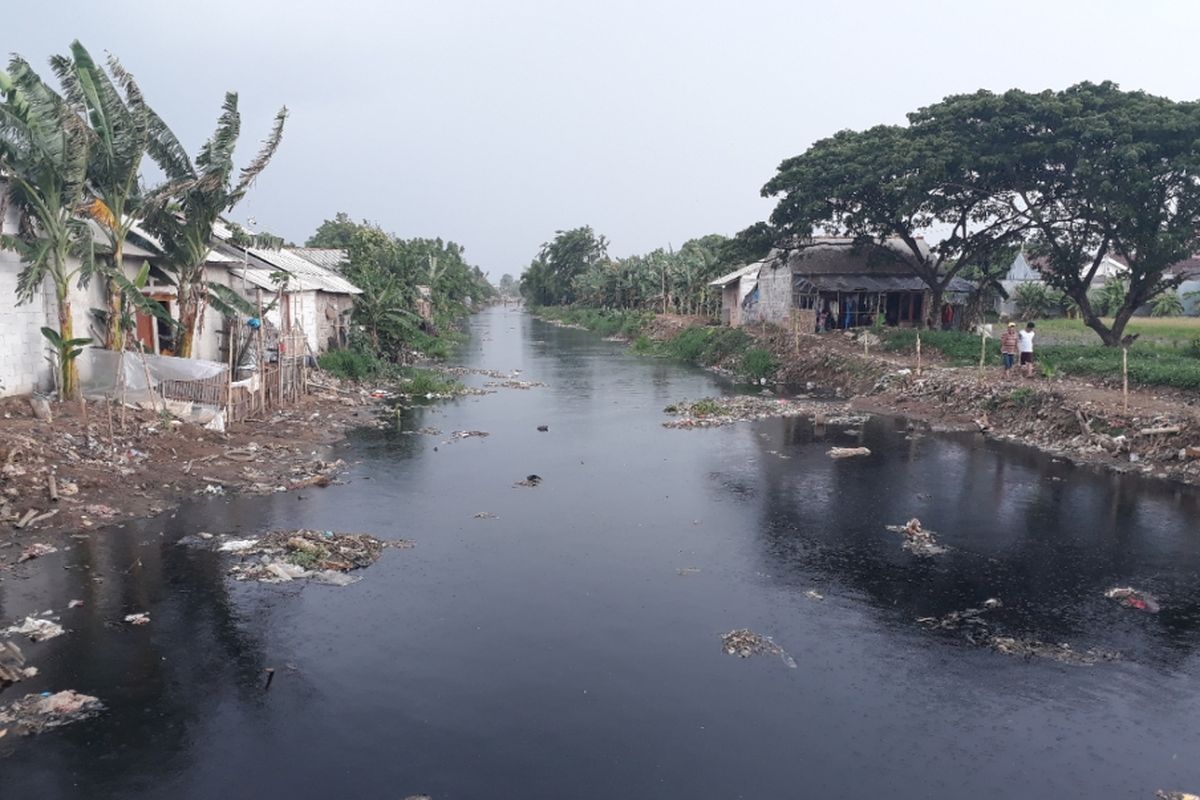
(1151, 363)
(1169, 331)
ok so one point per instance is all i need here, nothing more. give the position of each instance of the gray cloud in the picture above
(494, 124)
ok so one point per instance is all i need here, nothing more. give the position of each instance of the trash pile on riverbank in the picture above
(714, 412)
(744, 643)
(38, 713)
(917, 540)
(94, 464)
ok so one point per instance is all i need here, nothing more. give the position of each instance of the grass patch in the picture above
(1150, 363)
(604, 321)
(351, 364)
(419, 382)
(1169, 331)
(758, 363)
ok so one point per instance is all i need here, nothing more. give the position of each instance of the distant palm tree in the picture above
(44, 152)
(182, 213)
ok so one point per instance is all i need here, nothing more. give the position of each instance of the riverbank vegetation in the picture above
(415, 293)
(1150, 364)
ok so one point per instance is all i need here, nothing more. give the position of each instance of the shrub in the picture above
(758, 363)
(1193, 349)
(350, 364)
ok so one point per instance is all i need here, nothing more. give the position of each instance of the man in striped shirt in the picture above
(1008, 348)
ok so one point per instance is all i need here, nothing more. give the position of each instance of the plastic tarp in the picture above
(103, 377)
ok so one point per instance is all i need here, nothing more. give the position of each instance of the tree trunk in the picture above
(934, 315)
(68, 371)
(187, 320)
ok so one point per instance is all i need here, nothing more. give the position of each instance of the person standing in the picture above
(1025, 347)
(1008, 348)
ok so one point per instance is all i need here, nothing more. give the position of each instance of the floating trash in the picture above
(530, 480)
(320, 556)
(917, 540)
(1134, 598)
(38, 713)
(142, 618)
(37, 629)
(1062, 653)
(813, 594)
(36, 550)
(847, 452)
(744, 643)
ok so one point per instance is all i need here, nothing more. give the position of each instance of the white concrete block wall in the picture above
(23, 365)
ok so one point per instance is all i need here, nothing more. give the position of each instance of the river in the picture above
(571, 647)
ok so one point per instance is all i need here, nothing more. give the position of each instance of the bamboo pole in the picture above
(982, 346)
(918, 351)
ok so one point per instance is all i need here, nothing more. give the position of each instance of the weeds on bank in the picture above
(604, 321)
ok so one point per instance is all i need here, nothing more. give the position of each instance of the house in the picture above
(23, 366)
(844, 285)
(312, 300)
(1020, 273)
(736, 290)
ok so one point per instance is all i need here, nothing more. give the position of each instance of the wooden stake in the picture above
(1125, 379)
(982, 346)
(918, 351)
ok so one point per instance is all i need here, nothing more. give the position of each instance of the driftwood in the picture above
(1168, 429)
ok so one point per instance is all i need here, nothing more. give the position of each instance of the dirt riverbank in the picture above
(84, 469)
(1157, 433)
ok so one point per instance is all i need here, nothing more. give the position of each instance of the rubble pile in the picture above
(38, 713)
(322, 556)
(714, 412)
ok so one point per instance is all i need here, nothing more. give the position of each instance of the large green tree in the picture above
(337, 233)
(1103, 172)
(44, 153)
(182, 213)
(890, 185)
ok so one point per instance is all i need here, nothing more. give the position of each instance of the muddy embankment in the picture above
(1157, 433)
(90, 466)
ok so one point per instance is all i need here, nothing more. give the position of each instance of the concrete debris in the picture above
(1134, 598)
(714, 412)
(36, 550)
(36, 628)
(142, 618)
(848, 452)
(744, 643)
(530, 480)
(318, 556)
(38, 713)
(917, 540)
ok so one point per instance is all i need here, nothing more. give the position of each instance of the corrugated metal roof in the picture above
(725, 280)
(327, 257)
(304, 274)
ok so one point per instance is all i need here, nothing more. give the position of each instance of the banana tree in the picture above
(44, 150)
(120, 126)
(182, 213)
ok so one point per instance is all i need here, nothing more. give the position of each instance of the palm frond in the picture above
(269, 146)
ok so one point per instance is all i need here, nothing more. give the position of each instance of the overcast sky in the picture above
(496, 123)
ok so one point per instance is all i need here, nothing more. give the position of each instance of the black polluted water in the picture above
(582, 635)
